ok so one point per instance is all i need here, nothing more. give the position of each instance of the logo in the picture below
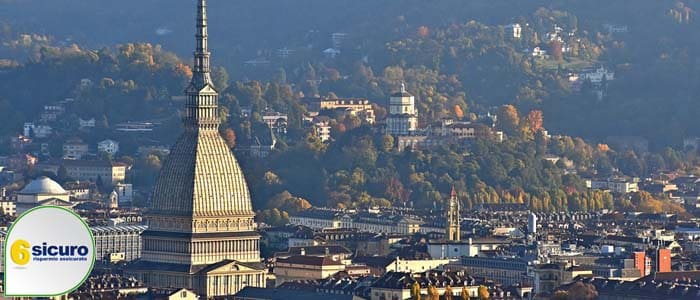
(44, 252)
(49, 251)
(19, 253)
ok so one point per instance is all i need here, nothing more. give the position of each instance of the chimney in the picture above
(302, 252)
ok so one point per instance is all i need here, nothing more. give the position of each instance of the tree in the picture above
(105, 156)
(483, 292)
(433, 293)
(62, 174)
(385, 143)
(459, 113)
(630, 164)
(280, 76)
(286, 202)
(220, 77)
(535, 120)
(464, 294)
(555, 48)
(582, 291)
(415, 291)
(560, 295)
(508, 119)
(273, 217)
(423, 32)
(448, 293)
(230, 137)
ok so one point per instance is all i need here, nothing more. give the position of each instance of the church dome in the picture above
(43, 186)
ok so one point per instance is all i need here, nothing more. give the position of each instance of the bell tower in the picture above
(452, 230)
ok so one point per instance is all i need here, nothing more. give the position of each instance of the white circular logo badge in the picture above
(49, 251)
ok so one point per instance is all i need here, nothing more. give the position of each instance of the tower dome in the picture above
(200, 223)
(201, 178)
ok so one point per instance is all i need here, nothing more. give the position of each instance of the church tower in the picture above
(452, 218)
(201, 234)
(403, 117)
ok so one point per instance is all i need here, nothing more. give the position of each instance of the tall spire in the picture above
(202, 107)
(201, 69)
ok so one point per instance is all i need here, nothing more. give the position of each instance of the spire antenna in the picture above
(201, 54)
(201, 108)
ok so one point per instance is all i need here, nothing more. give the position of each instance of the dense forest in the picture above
(458, 58)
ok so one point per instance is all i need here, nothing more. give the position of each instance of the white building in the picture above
(539, 52)
(89, 123)
(322, 127)
(42, 191)
(125, 193)
(37, 131)
(403, 117)
(514, 30)
(276, 121)
(122, 242)
(532, 224)
(108, 146)
(78, 190)
(415, 265)
(8, 208)
(446, 249)
(597, 75)
(614, 186)
(377, 223)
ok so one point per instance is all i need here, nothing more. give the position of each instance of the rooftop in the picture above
(43, 186)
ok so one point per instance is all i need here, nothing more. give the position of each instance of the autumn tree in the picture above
(535, 120)
(483, 292)
(433, 293)
(448, 293)
(273, 217)
(415, 291)
(423, 32)
(230, 137)
(464, 295)
(385, 142)
(508, 119)
(287, 202)
(459, 113)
